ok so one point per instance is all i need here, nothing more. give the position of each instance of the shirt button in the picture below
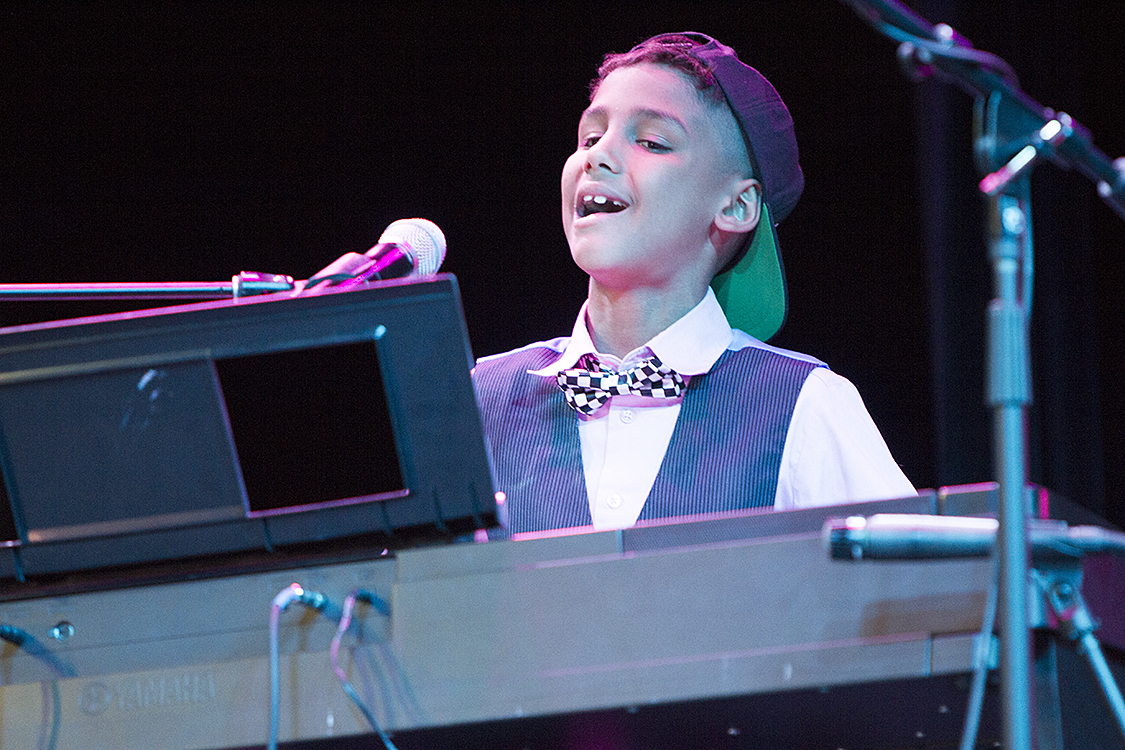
(627, 416)
(613, 501)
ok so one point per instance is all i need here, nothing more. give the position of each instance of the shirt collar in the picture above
(690, 346)
(579, 344)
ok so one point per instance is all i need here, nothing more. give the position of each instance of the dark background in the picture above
(190, 141)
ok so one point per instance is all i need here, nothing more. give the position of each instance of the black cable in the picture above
(345, 621)
(897, 22)
(982, 657)
(980, 58)
(22, 639)
(14, 635)
(291, 593)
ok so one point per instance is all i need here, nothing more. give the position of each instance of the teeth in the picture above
(599, 200)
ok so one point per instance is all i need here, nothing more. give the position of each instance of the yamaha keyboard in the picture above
(735, 631)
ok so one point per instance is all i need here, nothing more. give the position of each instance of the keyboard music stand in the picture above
(146, 436)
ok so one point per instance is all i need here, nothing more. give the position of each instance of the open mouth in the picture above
(599, 204)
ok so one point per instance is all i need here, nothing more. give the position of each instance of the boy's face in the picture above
(652, 169)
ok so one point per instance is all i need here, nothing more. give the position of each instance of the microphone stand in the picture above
(1011, 132)
(244, 284)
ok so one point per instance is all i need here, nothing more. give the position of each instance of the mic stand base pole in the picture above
(1008, 396)
(1015, 637)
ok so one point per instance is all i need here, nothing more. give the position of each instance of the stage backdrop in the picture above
(189, 141)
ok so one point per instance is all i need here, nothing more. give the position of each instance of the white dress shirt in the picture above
(833, 450)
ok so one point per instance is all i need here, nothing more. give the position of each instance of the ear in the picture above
(743, 209)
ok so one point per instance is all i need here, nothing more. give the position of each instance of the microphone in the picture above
(895, 536)
(408, 247)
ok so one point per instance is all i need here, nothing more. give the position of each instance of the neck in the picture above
(620, 322)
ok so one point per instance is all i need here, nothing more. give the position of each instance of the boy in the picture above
(664, 401)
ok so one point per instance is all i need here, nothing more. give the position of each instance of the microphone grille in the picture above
(423, 239)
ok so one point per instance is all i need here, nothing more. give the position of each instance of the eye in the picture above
(654, 146)
(588, 141)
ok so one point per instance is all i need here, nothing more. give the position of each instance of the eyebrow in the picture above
(643, 113)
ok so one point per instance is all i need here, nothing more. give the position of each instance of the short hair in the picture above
(674, 51)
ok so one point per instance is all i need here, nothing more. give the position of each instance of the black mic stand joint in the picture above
(1059, 606)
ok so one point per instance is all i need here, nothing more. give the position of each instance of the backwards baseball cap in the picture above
(752, 292)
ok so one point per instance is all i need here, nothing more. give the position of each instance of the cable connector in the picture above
(377, 602)
(294, 592)
(314, 600)
(287, 596)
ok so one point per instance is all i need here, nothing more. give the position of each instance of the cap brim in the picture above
(752, 294)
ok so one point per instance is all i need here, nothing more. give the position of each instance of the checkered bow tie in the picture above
(588, 387)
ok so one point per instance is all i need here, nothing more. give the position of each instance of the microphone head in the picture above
(422, 239)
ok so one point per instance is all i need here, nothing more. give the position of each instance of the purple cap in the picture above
(752, 293)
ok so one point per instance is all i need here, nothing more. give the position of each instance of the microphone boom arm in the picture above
(244, 284)
(942, 50)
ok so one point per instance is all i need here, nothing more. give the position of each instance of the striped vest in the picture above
(725, 452)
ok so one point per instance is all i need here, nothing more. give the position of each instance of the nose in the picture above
(603, 155)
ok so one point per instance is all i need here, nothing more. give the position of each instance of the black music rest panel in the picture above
(240, 425)
(130, 448)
